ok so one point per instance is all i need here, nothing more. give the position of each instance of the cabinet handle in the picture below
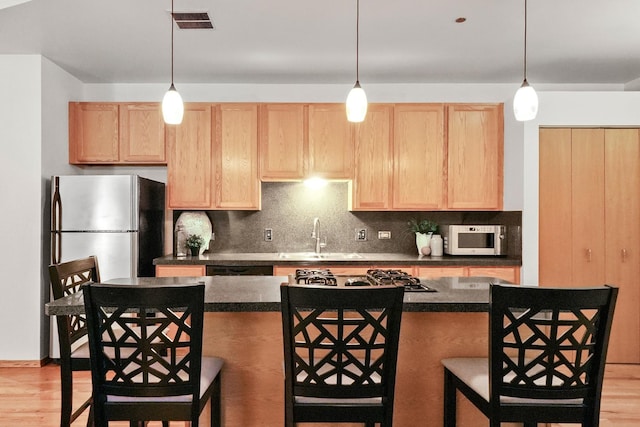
(588, 255)
(624, 255)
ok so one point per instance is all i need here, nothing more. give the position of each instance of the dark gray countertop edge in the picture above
(244, 259)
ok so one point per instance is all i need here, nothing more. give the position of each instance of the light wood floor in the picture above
(31, 397)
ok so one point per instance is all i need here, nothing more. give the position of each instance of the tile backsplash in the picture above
(288, 209)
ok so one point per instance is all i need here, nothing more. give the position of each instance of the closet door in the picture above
(622, 227)
(554, 231)
(587, 207)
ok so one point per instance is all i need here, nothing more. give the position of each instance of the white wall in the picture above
(588, 109)
(21, 217)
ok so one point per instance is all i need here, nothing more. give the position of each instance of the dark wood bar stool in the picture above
(146, 354)
(546, 362)
(340, 350)
(66, 279)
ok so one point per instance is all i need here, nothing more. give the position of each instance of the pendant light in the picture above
(172, 106)
(357, 99)
(525, 102)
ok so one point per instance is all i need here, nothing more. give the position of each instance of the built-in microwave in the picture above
(475, 239)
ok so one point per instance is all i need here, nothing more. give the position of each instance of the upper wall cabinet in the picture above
(303, 140)
(236, 157)
(475, 134)
(213, 158)
(116, 133)
(443, 157)
(418, 157)
(282, 141)
(190, 161)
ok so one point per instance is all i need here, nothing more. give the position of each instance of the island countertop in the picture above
(262, 294)
(276, 258)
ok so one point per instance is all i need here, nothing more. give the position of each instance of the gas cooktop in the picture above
(374, 277)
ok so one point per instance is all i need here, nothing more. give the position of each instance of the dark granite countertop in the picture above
(244, 259)
(261, 293)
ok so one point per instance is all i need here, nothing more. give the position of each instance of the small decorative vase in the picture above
(422, 240)
(195, 251)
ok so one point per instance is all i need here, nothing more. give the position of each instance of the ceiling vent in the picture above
(193, 20)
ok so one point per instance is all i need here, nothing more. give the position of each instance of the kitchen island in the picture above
(242, 325)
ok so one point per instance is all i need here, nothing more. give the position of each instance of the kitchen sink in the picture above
(313, 256)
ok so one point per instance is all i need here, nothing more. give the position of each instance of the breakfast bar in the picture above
(242, 325)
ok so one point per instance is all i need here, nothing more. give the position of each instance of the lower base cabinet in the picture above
(180, 270)
(510, 274)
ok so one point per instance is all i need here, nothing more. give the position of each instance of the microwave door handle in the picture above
(56, 221)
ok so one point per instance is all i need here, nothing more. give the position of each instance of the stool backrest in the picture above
(341, 342)
(145, 340)
(549, 343)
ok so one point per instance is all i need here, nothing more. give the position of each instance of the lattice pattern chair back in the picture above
(143, 347)
(66, 279)
(549, 343)
(339, 343)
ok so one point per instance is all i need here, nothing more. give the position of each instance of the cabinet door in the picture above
(236, 157)
(587, 207)
(622, 229)
(370, 187)
(180, 270)
(554, 231)
(475, 156)
(331, 140)
(510, 274)
(189, 171)
(434, 272)
(282, 141)
(418, 157)
(142, 133)
(93, 132)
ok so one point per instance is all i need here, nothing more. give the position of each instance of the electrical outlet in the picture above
(383, 235)
(361, 234)
(268, 234)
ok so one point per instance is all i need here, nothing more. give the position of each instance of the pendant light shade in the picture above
(357, 99)
(525, 102)
(356, 104)
(172, 106)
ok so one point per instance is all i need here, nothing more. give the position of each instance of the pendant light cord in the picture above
(358, 41)
(525, 40)
(172, 43)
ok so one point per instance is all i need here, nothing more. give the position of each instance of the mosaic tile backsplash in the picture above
(289, 209)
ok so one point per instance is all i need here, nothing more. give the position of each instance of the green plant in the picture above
(422, 226)
(194, 241)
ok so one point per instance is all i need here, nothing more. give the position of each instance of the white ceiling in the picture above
(303, 41)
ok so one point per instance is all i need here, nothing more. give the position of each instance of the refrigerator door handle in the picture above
(56, 222)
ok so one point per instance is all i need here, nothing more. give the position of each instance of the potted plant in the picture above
(194, 243)
(423, 229)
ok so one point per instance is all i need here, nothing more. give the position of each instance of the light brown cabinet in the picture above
(475, 134)
(190, 160)
(299, 141)
(589, 221)
(213, 158)
(282, 141)
(116, 133)
(510, 274)
(237, 185)
(418, 157)
(370, 188)
(180, 270)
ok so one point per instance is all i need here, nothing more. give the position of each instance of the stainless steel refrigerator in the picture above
(118, 218)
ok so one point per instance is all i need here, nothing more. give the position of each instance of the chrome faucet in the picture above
(315, 234)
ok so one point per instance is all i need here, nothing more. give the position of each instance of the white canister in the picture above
(436, 245)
